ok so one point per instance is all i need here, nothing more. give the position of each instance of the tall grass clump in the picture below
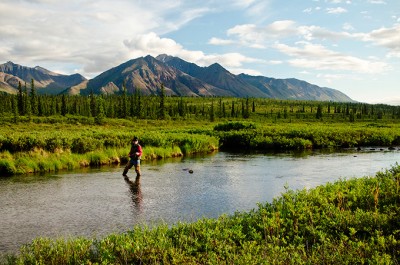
(7, 167)
(351, 221)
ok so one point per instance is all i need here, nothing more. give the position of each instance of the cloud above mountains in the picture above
(322, 38)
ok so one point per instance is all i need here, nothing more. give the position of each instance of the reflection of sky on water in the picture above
(102, 202)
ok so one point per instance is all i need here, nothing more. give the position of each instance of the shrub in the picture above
(7, 167)
(234, 126)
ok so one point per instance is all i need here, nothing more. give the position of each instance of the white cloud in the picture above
(308, 10)
(85, 32)
(337, 10)
(152, 44)
(218, 41)
(250, 34)
(348, 27)
(318, 57)
(379, 2)
(388, 38)
(330, 78)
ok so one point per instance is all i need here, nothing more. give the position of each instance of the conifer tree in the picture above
(212, 114)
(181, 109)
(20, 99)
(27, 105)
(28, 109)
(92, 105)
(63, 105)
(99, 119)
(319, 112)
(15, 109)
(111, 111)
(138, 104)
(34, 104)
(161, 114)
(40, 106)
(132, 106)
(124, 103)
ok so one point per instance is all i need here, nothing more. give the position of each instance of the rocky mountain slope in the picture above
(45, 80)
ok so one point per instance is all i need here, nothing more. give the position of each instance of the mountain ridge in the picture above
(46, 81)
(179, 78)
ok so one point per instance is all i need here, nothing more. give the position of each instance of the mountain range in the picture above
(46, 82)
(179, 77)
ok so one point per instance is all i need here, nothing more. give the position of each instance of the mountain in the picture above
(146, 74)
(46, 82)
(255, 86)
(179, 77)
(294, 89)
(214, 75)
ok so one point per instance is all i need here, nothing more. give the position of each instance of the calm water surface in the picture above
(95, 203)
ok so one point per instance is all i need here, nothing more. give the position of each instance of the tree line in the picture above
(28, 103)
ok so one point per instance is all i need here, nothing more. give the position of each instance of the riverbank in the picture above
(48, 147)
(42, 147)
(349, 221)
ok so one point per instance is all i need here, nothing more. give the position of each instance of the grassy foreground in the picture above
(352, 221)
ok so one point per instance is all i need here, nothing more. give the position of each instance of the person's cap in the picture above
(135, 138)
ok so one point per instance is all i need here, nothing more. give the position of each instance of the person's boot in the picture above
(125, 172)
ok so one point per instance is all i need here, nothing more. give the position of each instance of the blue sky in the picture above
(352, 46)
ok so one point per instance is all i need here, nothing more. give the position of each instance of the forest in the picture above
(28, 104)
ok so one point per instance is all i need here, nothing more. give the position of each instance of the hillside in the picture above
(294, 89)
(257, 86)
(146, 74)
(46, 82)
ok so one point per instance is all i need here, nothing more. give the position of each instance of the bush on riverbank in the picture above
(300, 136)
(349, 222)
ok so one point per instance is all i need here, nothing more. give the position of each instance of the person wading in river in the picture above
(135, 155)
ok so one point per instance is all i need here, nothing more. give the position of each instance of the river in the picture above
(97, 202)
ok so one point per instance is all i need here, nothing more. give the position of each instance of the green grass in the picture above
(42, 147)
(351, 221)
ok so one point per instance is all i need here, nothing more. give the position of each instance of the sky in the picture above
(349, 45)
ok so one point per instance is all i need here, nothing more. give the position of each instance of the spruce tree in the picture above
(40, 106)
(20, 99)
(319, 112)
(92, 105)
(161, 114)
(15, 109)
(99, 119)
(34, 104)
(124, 103)
(63, 105)
(212, 114)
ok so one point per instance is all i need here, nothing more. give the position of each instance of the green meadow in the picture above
(43, 133)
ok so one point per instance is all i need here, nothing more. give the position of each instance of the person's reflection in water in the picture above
(136, 192)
